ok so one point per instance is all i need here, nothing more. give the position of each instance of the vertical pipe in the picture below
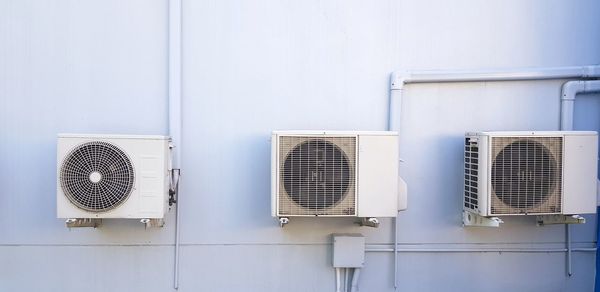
(175, 79)
(345, 284)
(396, 252)
(566, 114)
(597, 286)
(355, 277)
(338, 279)
(175, 110)
(394, 123)
(569, 268)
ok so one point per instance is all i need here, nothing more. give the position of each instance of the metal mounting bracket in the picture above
(156, 222)
(83, 222)
(369, 221)
(475, 220)
(559, 219)
(283, 221)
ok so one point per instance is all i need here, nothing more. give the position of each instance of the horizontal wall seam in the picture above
(370, 245)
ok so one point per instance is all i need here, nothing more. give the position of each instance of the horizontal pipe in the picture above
(400, 78)
(469, 250)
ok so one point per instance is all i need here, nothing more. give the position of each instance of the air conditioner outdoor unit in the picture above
(112, 176)
(335, 174)
(530, 173)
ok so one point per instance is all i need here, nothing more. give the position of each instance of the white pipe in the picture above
(471, 250)
(355, 277)
(400, 78)
(567, 100)
(567, 108)
(345, 284)
(569, 250)
(175, 110)
(338, 279)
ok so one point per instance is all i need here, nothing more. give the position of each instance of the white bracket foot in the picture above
(370, 221)
(83, 222)
(283, 221)
(156, 222)
(559, 219)
(475, 220)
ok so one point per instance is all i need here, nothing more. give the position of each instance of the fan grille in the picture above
(526, 175)
(97, 176)
(317, 176)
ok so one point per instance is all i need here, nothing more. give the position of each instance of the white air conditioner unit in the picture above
(530, 173)
(335, 174)
(112, 176)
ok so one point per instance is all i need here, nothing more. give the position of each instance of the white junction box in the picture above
(335, 174)
(112, 176)
(530, 173)
(348, 250)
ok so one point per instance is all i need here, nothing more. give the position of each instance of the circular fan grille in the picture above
(97, 176)
(524, 174)
(316, 174)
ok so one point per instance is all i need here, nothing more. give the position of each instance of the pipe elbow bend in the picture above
(398, 79)
(571, 88)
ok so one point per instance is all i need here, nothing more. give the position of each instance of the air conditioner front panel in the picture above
(317, 175)
(146, 158)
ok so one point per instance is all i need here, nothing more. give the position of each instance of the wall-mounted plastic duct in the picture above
(401, 78)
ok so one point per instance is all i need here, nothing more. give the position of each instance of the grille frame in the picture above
(66, 170)
(287, 207)
(472, 186)
(553, 203)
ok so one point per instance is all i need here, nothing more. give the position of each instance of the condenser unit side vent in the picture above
(471, 200)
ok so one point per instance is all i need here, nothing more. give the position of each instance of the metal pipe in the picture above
(175, 110)
(355, 276)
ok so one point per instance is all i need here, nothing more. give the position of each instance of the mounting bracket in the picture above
(83, 222)
(283, 221)
(369, 221)
(155, 222)
(471, 219)
(559, 219)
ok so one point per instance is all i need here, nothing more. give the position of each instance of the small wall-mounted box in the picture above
(348, 250)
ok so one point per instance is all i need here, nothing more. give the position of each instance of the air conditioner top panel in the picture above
(114, 136)
(532, 133)
(325, 133)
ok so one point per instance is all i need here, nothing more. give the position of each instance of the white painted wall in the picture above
(250, 67)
